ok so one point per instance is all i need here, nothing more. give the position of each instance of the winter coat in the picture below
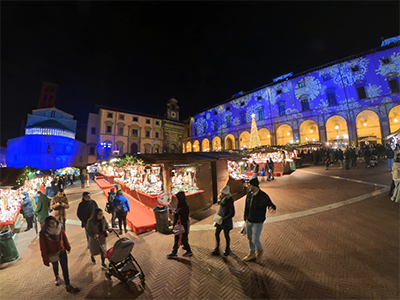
(85, 210)
(26, 207)
(256, 206)
(121, 199)
(227, 212)
(59, 212)
(50, 244)
(389, 153)
(92, 228)
(49, 192)
(42, 209)
(111, 197)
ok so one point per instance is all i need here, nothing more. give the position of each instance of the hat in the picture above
(225, 190)
(254, 182)
(84, 194)
(112, 189)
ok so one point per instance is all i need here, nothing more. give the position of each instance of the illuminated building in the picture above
(350, 101)
(113, 131)
(49, 142)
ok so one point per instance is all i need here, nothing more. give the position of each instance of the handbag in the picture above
(178, 228)
(54, 257)
(218, 219)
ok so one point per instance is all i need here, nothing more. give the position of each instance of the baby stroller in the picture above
(374, 161)
(122, 264)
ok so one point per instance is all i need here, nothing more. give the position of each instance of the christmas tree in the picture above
(254, 137)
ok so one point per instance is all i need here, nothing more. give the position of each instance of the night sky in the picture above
(137, 55)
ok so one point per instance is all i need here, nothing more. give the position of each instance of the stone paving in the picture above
(331, 238)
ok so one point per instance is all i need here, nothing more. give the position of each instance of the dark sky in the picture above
(137, 55)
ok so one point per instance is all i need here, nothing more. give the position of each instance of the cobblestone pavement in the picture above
(335, 236)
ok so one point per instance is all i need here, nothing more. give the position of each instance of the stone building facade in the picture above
(350, 101)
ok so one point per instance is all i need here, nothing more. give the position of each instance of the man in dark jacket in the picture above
(367, 156)
(27, 211)
(109, 208)
(389, 156)
(255, 210)
(85, 210)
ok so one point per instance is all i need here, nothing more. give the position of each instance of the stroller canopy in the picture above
(122, 249)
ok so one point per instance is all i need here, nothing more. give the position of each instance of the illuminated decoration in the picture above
(391, 68)
(49, 131)
(395, 120)
(365, 124)
(288, 133)
(254, 137)
(337, 127)
(312, 88)
(311, 131)
(106, 145)
(391, 40)
(282, 77)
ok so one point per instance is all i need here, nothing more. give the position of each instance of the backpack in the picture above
(120, 206)
(109, 208)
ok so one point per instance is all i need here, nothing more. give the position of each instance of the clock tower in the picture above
(173, 110)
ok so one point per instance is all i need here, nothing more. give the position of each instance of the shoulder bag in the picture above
(178, 228)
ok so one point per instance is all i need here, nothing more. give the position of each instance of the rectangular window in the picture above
(215, 125)
(157, 135)
(215, 113)
(227, 109)
(147, 121)
(301, 84)
(91, 151)
(259, 98)
(122, 117)
(228, 122)
(109, 115)
(326, 77)
(305, 105)
(385, 61)
(243, 119)
(108, 129)
(134, 132)
(355, 69)
(241, 103)
(158, 123)
(361, 92)
(147, 133)
(261, 115)
(93, 130)
(278, 92)
(121, 130)
(394, 86)
(281, 110)
(331, 99)
(135, 119)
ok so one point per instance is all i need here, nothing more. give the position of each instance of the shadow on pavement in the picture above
(115, 290)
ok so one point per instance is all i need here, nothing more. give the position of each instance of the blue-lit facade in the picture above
(49, 142)
(351, 101)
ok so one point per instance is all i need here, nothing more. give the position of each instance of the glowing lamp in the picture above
(288, 133)
(337, 136)
(313, 140)
(365, 124)
(395, 120)
(268, 136)
(337, 127)
(291, 141)
(311, 131)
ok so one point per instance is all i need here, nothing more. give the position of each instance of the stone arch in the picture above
(368, 127)
(216, 144)
(205, 145)
(172, 148)
(265, 136)
(196, 146)
(394, 119)
(337, 131)
(284, 134)
(309, 131)
(147, 148)
(189, 147)
(229, 142)
(120, 147)
(244, 140)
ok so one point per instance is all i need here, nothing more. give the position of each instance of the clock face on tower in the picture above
(173, 114)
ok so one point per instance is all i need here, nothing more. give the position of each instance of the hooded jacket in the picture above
(26, 206)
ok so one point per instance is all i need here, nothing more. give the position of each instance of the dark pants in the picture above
(113, 216)
(29, 220)
(354, 163)
(64, 267)
(184, 241)
(121, 215)
(227, 237)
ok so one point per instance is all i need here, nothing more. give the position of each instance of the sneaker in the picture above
(92, 258)
(120, 232)
(259, 254)
(172, 255)
(187, 253)
(227, 252)
(251, 256)
(104, 266)
(58, 281)
(126, 231)
(72, 289)
(215, 252)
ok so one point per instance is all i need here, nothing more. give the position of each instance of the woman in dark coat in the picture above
(27, 211)
(97, 228)
(226, 212)
(182, 214)
(53, 240)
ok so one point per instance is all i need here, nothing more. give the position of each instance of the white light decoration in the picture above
(268, 136)
(337, 127)
(337, 136)
(49, 131)
(288, 133)
(306, 138)
(253, 115)
(311, 131)
(365, 124)
(313, 140)
(291, 141)
(345, 136)
(395, 120)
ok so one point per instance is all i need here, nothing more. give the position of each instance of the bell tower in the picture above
(173, 109)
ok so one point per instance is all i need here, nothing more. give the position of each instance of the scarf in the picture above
(53, 234)
(223, 200)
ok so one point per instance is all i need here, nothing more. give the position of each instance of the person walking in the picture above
(27, 211)
(42, 208)
(226, 212)
(82, 178)
(85, 210)
(353, 158)
(367, 156)
(271, 170)
(54, 246)
(122, 207)
(256, 169)
(109, 208)
(389, 156)
(255, 210)
(182, 215)
(97, 228)
(59, 205)
(340, 158)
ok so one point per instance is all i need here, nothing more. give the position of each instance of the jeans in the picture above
(254, 175)
(227, 237)
(64, 267)
(390, 163)
(253, 234)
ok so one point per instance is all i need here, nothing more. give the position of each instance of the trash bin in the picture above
(8, 251)
(161, 213)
